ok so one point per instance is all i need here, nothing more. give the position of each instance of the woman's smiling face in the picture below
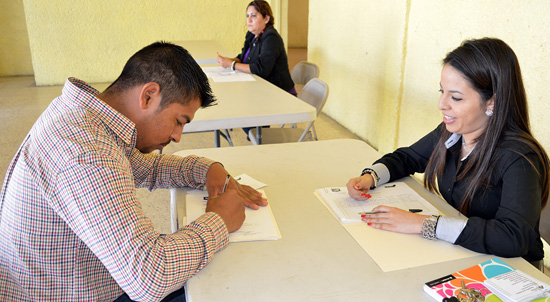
(462, 106)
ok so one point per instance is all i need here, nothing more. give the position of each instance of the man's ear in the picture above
(149, 94)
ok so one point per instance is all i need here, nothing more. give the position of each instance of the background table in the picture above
(242, 104)
(250, 104)
(317, 259)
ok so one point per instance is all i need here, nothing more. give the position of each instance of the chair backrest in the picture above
(303, 72)
(315, 93)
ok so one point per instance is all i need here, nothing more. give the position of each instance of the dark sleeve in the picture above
(513, 230)
(272, 45)
(408, 160)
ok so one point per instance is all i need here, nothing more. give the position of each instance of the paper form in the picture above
(391, 251)
(258, 225)
(396, 194)
(245, 179)
(220, 74)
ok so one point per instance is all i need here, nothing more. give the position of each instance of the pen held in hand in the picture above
(377, 212)
(226, 182)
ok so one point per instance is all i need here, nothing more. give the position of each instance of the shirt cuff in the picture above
(449, 228)
(215, 223)
(382, 172)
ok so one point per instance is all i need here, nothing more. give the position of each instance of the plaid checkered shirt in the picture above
(71, 228)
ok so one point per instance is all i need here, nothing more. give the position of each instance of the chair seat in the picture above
(278, 135)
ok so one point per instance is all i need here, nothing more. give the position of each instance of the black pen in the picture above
(370, 213)
(415, 210)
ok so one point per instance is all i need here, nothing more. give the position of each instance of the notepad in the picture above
(259, 224)
(396, 194)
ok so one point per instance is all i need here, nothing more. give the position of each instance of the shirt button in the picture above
(449, 190)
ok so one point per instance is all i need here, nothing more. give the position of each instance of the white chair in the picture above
(302, 73)
(315, 93)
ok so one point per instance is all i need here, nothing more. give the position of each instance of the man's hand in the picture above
(215, 182)
(230, 207)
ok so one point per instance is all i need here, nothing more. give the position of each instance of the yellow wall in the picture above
(382, 59)
(15, 54)
(93, 39)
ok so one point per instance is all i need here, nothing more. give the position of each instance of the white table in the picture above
(243, 104)
(250, 104)
(316, 259)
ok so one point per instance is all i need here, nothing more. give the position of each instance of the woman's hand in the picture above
(225, 62)
(395, 220)
(359, 186)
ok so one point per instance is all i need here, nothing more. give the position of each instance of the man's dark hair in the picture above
(172, 67)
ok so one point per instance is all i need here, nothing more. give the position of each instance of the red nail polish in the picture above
(363, 216)
(369, 224)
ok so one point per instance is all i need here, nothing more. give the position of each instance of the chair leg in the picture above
(306, 131)
(314, 132)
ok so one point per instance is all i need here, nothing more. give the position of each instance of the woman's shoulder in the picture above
(271, 32)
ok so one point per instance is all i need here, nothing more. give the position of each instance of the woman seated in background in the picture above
(263, 53)
(483, 160)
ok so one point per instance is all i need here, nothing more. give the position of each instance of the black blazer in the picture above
(267, 58)
(504, 218)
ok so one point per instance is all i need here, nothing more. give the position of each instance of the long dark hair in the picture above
(492, 69)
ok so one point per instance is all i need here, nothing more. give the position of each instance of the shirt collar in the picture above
(451, 141)
(82, 94)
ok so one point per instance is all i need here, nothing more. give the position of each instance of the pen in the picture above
(377, 212)
(226, 182)
(370, 213)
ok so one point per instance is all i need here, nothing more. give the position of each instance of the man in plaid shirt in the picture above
(71, 228)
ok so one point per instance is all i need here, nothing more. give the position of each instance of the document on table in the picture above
(396, 194)
(258, 225)
(220, 74)
(391, 251)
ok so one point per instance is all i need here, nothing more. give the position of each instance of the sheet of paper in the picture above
(220, 74)
(396, 194)
(517, 286)
(396, 251)
(245, 179)
(259, 224)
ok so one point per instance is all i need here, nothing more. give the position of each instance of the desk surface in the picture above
(316, 259)
(243, 104)
(250, 104)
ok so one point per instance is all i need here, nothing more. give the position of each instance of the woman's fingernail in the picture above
(369, 224)
(357, 187)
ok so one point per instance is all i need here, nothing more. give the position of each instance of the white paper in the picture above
(245, 179)
(517, 286)
(258, 225)
(220, 74)
(396, 194)
(396, 251)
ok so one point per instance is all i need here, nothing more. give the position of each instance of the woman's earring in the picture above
(489, 112)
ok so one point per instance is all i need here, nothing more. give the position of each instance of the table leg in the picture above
(259, 135)
(217, 138)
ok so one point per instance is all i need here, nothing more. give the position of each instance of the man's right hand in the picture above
(230, 206)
